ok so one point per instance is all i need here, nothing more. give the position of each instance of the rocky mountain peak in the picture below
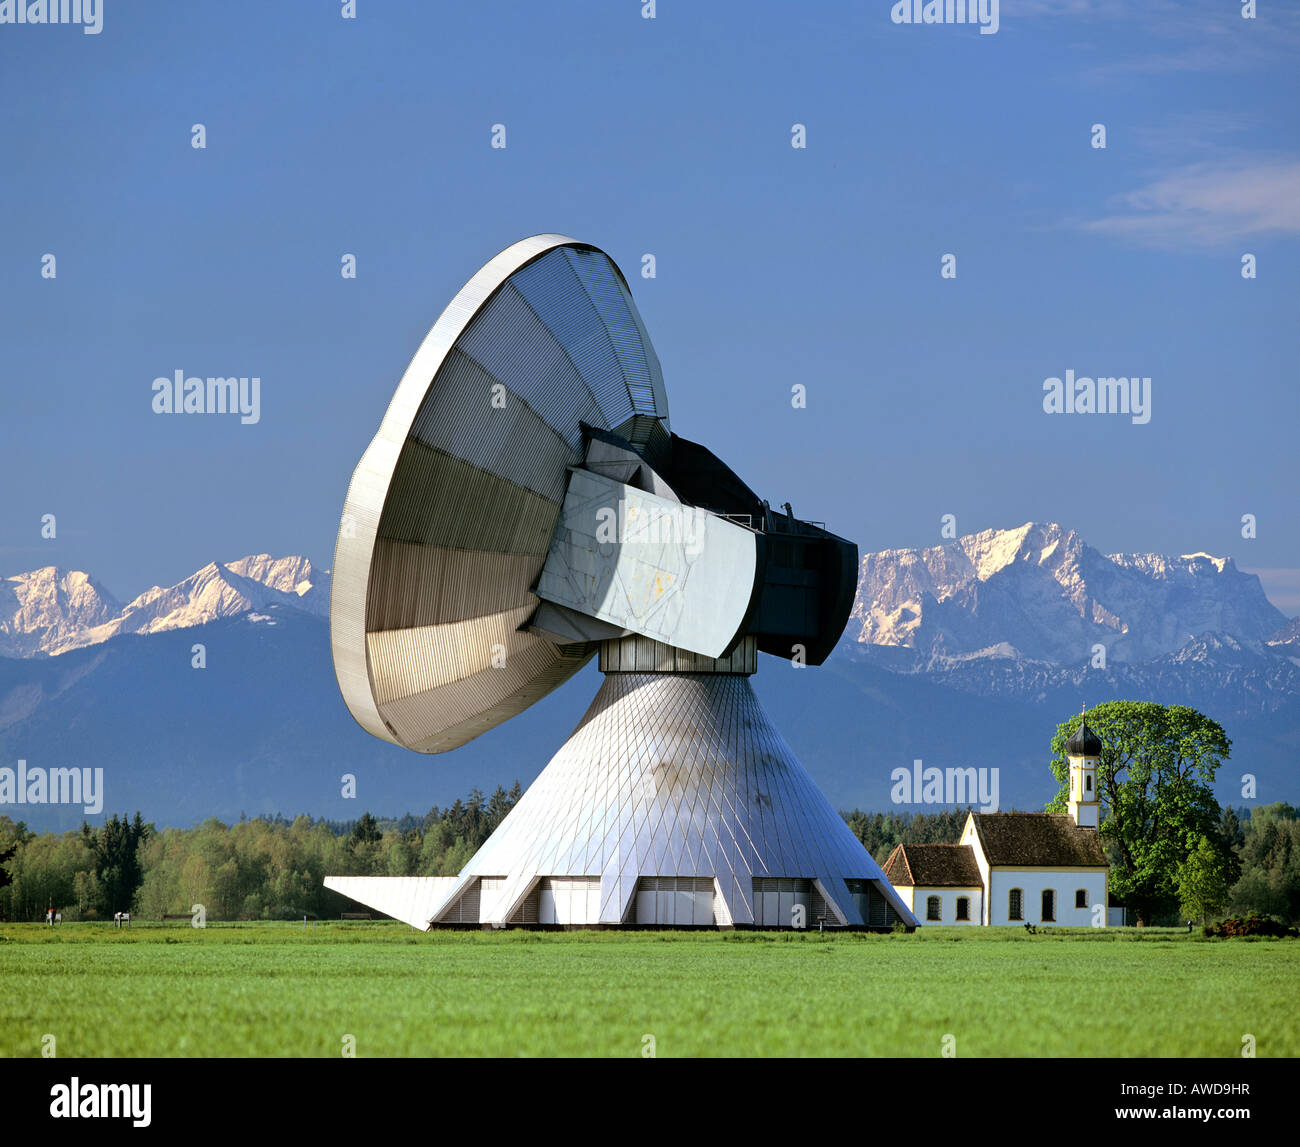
(1039, 591)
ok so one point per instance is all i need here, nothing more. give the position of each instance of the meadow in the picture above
(279, 989)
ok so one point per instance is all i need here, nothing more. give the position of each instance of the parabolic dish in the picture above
(451, 510)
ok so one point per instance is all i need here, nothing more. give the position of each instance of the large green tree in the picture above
(1202, 880)
(1154, 783)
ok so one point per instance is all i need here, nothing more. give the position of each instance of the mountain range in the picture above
(964, 654)
(1034, 611)
(51, 610)
(1040, 592)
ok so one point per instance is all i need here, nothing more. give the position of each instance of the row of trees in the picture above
(265, 868)
(881, 831)
(1266, 843)
(1251, 865)
(275, 868)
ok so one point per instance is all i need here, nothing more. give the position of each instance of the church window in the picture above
(1081, 898)
(963, 907)
(933, 909)
(1016, 905)
(1049, 906)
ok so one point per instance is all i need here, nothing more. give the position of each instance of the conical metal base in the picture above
(675, 801)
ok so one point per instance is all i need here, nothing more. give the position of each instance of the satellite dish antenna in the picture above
(524, 506)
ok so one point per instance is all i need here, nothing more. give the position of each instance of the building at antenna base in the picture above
(674, 803)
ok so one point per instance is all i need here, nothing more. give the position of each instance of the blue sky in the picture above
(775, 265)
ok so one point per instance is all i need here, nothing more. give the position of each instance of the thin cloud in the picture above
(1207, 135)
(1205, 205)
(1162, 37)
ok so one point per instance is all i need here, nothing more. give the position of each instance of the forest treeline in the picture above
(264, 868)
(881, 831)
(272, 868)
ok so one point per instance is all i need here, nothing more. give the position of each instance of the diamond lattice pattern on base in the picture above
(673, 775)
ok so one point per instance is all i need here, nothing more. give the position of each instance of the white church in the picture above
(1017, 868)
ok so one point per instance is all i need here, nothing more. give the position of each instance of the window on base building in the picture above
(1081, 898)
(932, 908)
(1015, 904)
(1049, 906)
(963, 907)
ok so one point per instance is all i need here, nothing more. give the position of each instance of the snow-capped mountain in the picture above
(1040, 592)
(48, 607)
(50, 611)
(291, 575)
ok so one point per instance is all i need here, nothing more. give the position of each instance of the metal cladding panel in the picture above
(411, 662)
(411, 899)
(515, 348)
(627, 336)
(466, 584)
(450, 513)
(643, 655)
(489, 697)
(676, 775)
(670, 572)
(582, 299)
(437, 500)
(510, 440)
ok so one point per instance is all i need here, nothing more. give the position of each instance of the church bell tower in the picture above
(1084, 751)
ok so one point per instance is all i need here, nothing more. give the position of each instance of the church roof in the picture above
(1083, 742)
(933, 866)
(1037, 839)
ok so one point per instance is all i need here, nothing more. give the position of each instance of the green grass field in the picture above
(282, 990)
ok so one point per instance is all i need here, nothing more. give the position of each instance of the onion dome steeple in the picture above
(1083, 742)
